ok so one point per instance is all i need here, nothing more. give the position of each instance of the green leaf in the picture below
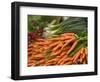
(77, 25)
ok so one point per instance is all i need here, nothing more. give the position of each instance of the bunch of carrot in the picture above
(56, 51)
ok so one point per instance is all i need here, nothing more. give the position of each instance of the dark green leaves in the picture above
(77, 25)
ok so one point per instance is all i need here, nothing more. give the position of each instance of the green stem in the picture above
(53, 22)
(82, 38)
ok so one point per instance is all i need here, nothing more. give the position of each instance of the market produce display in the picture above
(56, 40)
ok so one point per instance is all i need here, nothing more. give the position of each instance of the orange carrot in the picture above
(59, 56)
(52, 60)
(69, 63)
(61, 59)
(57, 47)
(82, 51)
(68, 59)
(37, 50)
(83, 57)
(65, 60)
(53, 44)
(73, 46)
(86, 51)
(76, 56)
(84, 62)
(43, 43)
(42, 61)
(62, 54)
(30, 45)
(54, 53)
(66, 37)
(45, 48)
(68, 34)
(67, 42)
(40, 56)
(31, 63)
(50, 63)
(61, 63)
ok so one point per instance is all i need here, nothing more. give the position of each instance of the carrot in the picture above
(65, 60)
(61, 63)
(69, 63)
(57, 47)
(56, 53)
(62, 54)
(30, 46)
(73, 46)
(67, 42)
(76, 56)
(83, 56)
(37, 50)
(61, 59)
(43, 43)
(66, 37)
(68, 34)
(31, 63)
(82, 51)
(53, 44)
(81, 59)
(86, 51)
(45, 48)
(42, 61)
(68, 59)
(56, 58)
(50, 63)
(52, 60)
(84, 62)
(40, 56)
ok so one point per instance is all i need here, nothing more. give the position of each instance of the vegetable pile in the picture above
(59, 42)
